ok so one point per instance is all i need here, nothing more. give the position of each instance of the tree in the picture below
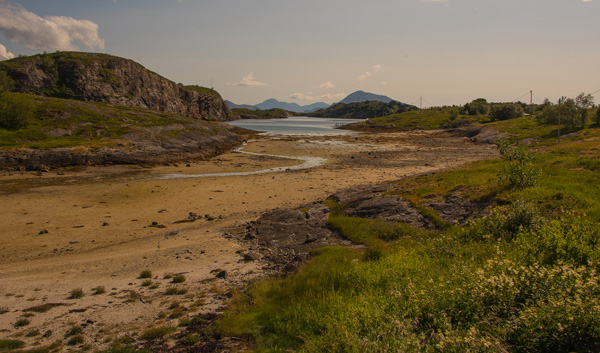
(573, 112)
(15, 109)
(477, 106)
(583, 102)
(6, 83)
(506, 111)
(598, 116)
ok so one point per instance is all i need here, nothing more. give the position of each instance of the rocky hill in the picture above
(105, 78)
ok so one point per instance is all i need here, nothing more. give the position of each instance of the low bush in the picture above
(156, 333)
(76, 294)
(178, 278)
(146, 274)
(519, 169)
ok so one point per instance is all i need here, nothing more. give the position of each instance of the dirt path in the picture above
(100, 227)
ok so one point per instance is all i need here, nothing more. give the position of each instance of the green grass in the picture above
(156, 333)
(71, 123)
(432, 118)
(204, 90)
(9, 345)
(525, 278)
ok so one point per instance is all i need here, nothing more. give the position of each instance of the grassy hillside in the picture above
(525, 278)
(432, 118)
(53, 122)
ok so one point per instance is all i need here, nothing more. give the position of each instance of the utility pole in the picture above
(559, 102)
(531, 101)
(421, 105)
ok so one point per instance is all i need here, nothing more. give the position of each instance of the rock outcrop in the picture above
(106, 78)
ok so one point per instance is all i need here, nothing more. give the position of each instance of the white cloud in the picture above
(363, 76)
(327, 96)
(302, 97)
(248, 81)
(367, 74)
(327, 84)
(5, 54)
(49, 33)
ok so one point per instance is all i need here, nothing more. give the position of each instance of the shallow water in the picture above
(298, 125)
(309, 162)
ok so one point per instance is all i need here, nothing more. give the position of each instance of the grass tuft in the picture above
(156, 333)
(76, 294)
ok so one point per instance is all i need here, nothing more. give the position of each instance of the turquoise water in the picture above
(298, 125)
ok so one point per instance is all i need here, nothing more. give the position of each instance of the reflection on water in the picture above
(298, 125)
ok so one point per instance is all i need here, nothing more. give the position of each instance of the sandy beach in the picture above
(102, 226)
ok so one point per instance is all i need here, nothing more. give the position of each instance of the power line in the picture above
(514, 100)
(538, 98)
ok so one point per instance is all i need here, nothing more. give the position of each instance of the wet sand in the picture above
(101, 226)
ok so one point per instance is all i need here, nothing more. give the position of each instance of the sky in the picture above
(445, 51)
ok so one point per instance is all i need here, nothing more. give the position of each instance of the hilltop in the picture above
(362, 96)
(106, 78)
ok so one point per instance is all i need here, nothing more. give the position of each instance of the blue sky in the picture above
(448, 52)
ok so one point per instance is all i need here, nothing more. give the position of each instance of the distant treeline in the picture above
(363, 110)
(274, 113)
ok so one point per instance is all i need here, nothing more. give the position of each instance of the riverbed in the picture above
(101, 226)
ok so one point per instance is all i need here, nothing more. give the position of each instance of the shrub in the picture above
(99, 290)
(76, 294)
(178, 278)
(575, 241)
(505, 112)
(21, 322)
(156, 332)
(505, 223)
(147, 283)
(519, 169)
(175, 291)
(191, 339)
(75, 340)
(32, 333)
(16, 111)
(74, 330)
(146, 274)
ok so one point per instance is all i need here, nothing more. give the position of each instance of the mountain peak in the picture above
(361, 96)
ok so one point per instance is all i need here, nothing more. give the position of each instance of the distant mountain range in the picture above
(358, 96)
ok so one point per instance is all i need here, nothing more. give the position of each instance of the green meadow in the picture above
(523, 278)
